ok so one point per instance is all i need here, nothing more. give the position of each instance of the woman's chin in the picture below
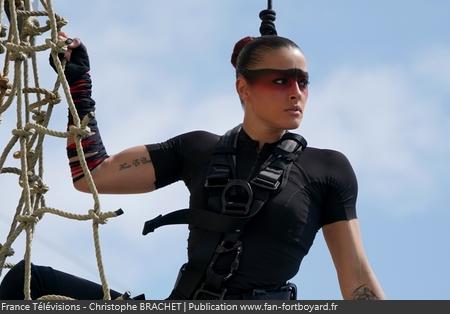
(292, 125)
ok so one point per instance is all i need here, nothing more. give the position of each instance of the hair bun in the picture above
(238, 48)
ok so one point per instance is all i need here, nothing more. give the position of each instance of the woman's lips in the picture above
(294, 110)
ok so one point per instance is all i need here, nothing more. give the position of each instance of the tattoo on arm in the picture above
(134, 163)
(124, 166)
(364, 293)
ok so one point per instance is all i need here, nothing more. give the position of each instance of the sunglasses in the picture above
(276, 78)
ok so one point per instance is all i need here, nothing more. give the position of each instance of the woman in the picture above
(318, 189)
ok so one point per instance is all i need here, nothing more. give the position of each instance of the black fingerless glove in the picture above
(77, 75)
(78, 67)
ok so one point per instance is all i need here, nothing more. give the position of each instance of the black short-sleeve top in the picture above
(321, 189)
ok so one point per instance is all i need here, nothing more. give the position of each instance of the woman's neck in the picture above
(262, 134)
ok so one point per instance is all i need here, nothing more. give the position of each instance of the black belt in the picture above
(286, 292)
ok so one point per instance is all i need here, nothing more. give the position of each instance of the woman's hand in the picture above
(72, 44)
(77, 58)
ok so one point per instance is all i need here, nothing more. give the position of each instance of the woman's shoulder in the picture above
(198, 138)
(199, 135)
(325, 155)
(192, 144)
(325, 162)
(331, 179)
(187, 143)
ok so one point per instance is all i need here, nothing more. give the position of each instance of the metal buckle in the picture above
(292, 288)
(222, 248)
(237, 207)
(269, 178)
(204, 294)
(289, 290)
(289, 145)
(218, 178)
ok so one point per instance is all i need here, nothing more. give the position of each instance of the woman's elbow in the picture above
(80, 185)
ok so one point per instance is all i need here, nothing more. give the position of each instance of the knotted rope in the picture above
(16, 91)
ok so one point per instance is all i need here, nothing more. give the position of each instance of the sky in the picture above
(379, 93)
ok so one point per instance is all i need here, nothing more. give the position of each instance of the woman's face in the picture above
(275, 90)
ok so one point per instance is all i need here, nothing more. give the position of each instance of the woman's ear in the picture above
(242, 89)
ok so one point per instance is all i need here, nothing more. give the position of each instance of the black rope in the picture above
(267, 17)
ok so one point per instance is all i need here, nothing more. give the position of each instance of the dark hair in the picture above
(249, 50)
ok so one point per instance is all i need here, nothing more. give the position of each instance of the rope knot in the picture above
(27, 219)
(4, 83)
(52, 98)
(39, 116)
(9, 251)
(17, 56)
(58, 47)
(30, 154)
(98, 219)
(39, 188)
(60, 22)
(31, 27)
(79, 132)
(22, 132)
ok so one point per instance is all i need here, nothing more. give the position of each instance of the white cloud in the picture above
(433, 66)
(386, 126)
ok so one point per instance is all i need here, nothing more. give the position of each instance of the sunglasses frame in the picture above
(300, 76)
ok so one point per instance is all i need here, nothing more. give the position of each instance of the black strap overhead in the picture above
(267, 17)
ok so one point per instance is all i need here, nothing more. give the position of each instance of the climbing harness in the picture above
(232, 203)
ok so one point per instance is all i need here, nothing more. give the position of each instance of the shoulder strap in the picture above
(271, 173)
(223, 162)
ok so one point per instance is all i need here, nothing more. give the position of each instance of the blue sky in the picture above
(380, 77)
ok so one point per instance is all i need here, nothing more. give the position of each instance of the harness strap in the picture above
(204, 219)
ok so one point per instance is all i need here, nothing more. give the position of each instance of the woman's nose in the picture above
(296, 92)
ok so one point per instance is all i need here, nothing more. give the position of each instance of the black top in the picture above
(321, 189)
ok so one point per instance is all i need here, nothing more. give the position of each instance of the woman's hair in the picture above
(250, 50)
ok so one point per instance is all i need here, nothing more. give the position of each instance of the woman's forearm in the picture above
(369, 289)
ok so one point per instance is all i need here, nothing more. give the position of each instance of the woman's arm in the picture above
(356, 278)
(130, 171)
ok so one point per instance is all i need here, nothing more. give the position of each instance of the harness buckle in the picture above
(286, 292)
(204, 294)
(221, 249)
(237, 197)
(292, 288)
(289, 145)
(218, 178)
(226, 247)
(269, 178)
